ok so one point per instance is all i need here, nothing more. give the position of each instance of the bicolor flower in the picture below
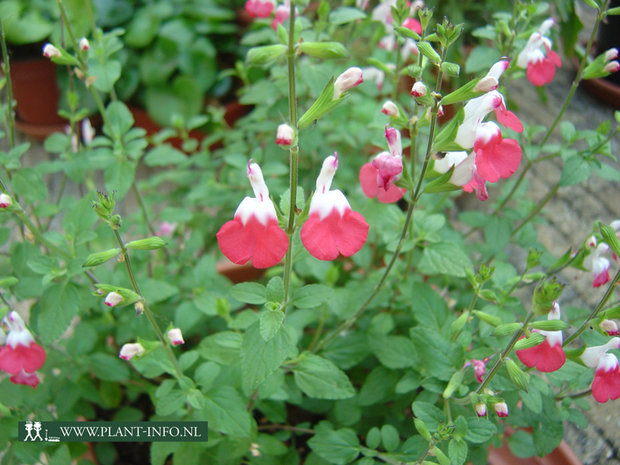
(606, 384)
(49, 51)
(260, 8)
(501, 409)
(480, 367)
(389, 108)
(176, 337)
(610, 327)
(418, 89)
(129, 351)
(254, 232)
(374, 74)
(464, 173)
(5, 200)
(413, 24)
(332, 228)
(284, 135)
(496, 157)
(283, 12)
(113, 299)
(491, 80)
(477, 109)
(347, 80)
(549, 355)
(377, 178)
(599, 265)
(20, 352)
(540, 65)
(481, 409)
(84, 44)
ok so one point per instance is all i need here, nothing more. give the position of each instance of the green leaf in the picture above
(159, 451)
(457, 451)
(119, 118)
(119, 177)
(345, 15)
(223, 347)
(107, 73)
(312, 295)
(29, 185)
(260, 358)
(156, 290)
(575, 171)
(164, 155)
(321, 106)
(225, 411)
(265, 54)
(275, 289)
(324, 49)
(430, 415)
(373, 438)
(249, 292)
(444, 258)
(390, 438)
(319, 378)
(336, 446)
(609, 234)
(393, 351)
(270, 323)
(108, 367)
(60, 302)
(479, 430)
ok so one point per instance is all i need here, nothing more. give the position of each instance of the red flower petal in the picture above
(326, 239)
(606, 384)
(544, 357)
(497, 160)
(541, 72)
(14, 360)
(368, 181)
(266, 245)
(27, 379)
(601, 278)
(508, 119)
(258, 8)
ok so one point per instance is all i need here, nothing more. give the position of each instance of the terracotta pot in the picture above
(36, 92)
(238, 273)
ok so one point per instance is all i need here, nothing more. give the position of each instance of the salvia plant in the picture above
(381, 322)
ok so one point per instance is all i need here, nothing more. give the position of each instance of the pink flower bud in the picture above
(49, 51)
(610, 327)
(394, 143)
(611, 67)
(5, 201)
(486, 84)
(418, 89)
(389, 108)
(84, 44)
(129, 351)
(611, 54)
(175, 336)
(347, 80)
(481, 409)
(501, 409)
(113, 299)
(284, 135)
(440, 111)
(591, 242)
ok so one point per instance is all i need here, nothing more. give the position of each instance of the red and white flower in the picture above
(377, 178)
(418, 89)
(480, 367)
(176, 337)
(254, 232)
(113, 299)
(389, 108)
(283, 12)
(49, 51)
(129, 351)
(481, 409)
(374, 74)
(606, 384)
(84, 44)
(610, 327)
(284, 135)
(540, 65)
(599, 265)
(501, 409)
(496, 157)
(549, 355)
(5, 200)
(20, 352)
(27, 379)
(260, 8)
(347, 80)
(332, 228)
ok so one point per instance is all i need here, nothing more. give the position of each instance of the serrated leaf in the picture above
(339, 447)
(225, 411)
(249, 292)
(444, 258)
(393, 351)
(319, 378)
(312, 295)
(270, 323)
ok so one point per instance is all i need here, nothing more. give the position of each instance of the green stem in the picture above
(293, 157)
(6, 302)
(576, 395)
(19, 212)
(596, 311)
(538, 208)
(147, 309)
(9, 90)
(498, 364)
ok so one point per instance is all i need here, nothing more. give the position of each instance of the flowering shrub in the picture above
(377, 324)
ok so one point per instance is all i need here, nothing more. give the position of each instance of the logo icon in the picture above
(33, 433)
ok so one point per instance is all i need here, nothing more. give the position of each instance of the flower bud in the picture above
(88, 132)
(49, 51)
(150, 243)
(84, 45)
(129, 351)
(610, 327)
(394, 143)
(501, 409)
(591, 241)
(175, 336)
(481, 409)
(418, 89)
(5, 201)
(113, 299)
(347, 80)
(611, 67)
(389, 108)
(284, 135)
(139, 307)
(611, 54)
(486, 84)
